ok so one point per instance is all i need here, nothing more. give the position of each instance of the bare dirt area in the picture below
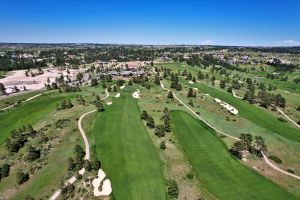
(18, 78)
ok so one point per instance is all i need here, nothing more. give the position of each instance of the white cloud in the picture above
(288, 43)
(206, 42)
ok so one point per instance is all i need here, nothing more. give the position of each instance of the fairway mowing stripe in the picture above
(267, 161)
(220, 173)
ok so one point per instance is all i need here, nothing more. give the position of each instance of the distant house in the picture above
(140, 72)
(113, 73)
(126, 73)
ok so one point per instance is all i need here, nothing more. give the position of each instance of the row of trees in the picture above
(148, 119)
(77, 162)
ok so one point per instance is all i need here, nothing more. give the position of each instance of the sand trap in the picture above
(136, 94)
(109, 103)
(118, 95)
(122, 87)
(191, 82)
(106, 187)
(81, 172)
(230, 108)
(195, 88)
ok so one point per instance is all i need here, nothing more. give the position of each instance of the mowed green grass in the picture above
(253, 113)
(27, 113)
(128, 156)
(7, 101)
(216, 169)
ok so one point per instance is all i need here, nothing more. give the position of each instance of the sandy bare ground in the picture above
(136, 94)
(273, 166)
(295, 123)
(106, 186)
(228, 107)
(19, 79)
(87, 150)
(234, 94)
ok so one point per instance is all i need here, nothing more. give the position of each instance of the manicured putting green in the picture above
(220, 173)
(127, 153)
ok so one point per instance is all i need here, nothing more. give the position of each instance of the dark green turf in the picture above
(220, 173)
(127, 153)
(253, 113)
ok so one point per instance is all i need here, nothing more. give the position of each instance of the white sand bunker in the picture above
(230, 108)
(122, 87)
(109, 103)
(191, 82)
(118, 95)
(106, 186)
(136, 94)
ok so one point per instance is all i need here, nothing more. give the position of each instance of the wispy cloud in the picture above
(206, 42)
(288, 43)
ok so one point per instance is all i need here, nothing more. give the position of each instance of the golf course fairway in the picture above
(253, 113)
(126, 151)
(216, 169)
(27, 113)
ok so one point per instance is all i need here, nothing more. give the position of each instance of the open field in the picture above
(221, 174)
(122, 143)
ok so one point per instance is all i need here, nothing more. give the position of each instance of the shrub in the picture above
(162, 145)
(281, 119)
(190, 175)
(173, 190)
(276, 159)
(5, 170)
(22, 177)
(291, 171)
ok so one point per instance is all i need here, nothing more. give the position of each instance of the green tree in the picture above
(2, 89)
(22, 177)
(162, 145)
(96, 164)
(222, 84)
(170, 95)
(173, 190)
(190, 92)
(94, 82)
(5, 170)
(32, 153)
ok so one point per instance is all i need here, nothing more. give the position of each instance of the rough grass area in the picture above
(127, 153)
(221, 174)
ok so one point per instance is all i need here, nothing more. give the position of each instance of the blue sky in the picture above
(227, 22)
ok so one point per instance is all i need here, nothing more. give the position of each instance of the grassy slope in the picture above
(222, 175)
(14, 99)
(28, 113)
(253, 113)
(128, 156)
